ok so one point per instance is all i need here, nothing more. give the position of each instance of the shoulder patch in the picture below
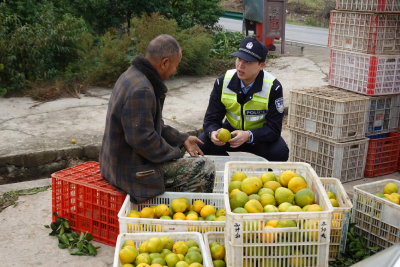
(279, 105)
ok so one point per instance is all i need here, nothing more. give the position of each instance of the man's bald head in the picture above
(163, 46)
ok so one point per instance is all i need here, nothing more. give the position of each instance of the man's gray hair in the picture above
(163, 46)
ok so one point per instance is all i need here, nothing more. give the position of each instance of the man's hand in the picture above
(191, 146)
(215, 139)
(240, 138)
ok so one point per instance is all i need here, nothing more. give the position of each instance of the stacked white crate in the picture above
(364, 37)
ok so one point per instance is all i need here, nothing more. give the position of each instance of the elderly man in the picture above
(140, 155)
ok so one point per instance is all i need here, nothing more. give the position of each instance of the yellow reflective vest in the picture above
(252, 114)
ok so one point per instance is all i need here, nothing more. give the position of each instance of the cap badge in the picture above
(249, 45)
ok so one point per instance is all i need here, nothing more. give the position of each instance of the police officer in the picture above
(251, 99)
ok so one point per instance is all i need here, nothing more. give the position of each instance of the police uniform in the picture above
(259, 111)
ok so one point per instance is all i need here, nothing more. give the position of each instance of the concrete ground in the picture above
(36, 141)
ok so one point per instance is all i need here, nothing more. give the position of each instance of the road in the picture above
(294, 33)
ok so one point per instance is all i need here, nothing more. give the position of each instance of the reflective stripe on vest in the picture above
(258, 105)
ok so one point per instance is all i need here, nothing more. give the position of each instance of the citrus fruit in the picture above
(219, 263)
(143, 247)
(198, 205)
(180, 247)
(127, 265)
(143, 258)
(285, 223)
(296, 184)
(156, 255)
(192, 217)
(128, 243)
(272, 223)
(194, 249)
(220, 218)
(270, 208)
(238, 176)
(304, 197)
(155, 245)
(264, 190)
(284, 206)
(220, 212)
(143, 265)
(239, 210)
(193, 256)
(314, 207)
(207, 210)
(196, 264)
(268, 237)
(334, 202)
(179, 216)
(233, 192)
(166, 251)
(172, 259)
(182, 264)
(251, 185)
(165, 218)
(128, 254)
(394, 198)
(305, 207)
(181, 257)
(272, 185)
(147, 213)
(254, 206)
(267, 199)
(254, 196)
(331, 195)
(268, 176)
(390, 188)
(285, 177)
(162, 210)
(238, 200)
(159, 260)
(234, 185)
(178, 205)
(214, 243)
(187, 202)
(311, 225)
(294, 209)
(283, 194)
(191, 243)
(217, 252)
(210, 217)
(224, 135)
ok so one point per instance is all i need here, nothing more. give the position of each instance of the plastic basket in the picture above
(89, 202)
(365, 74)
(383, 155)
(138, 238)
(340, 217)
(140, 225)
(245, 234)
(212, 237)
(377, 219)
(369, 5)
(328, 112)
(383, 114)
(219, 162)
(370, 33)
(330, 159)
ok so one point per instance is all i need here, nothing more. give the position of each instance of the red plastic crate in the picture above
(383, 155)
(369, 5)
(81, 195)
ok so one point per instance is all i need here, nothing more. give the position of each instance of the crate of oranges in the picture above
(281, 217)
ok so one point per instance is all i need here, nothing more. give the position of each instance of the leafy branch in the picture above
(77, 244)
(356, 250)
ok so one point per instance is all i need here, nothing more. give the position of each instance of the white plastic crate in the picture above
(369, 5)
(245, 234)
(330, 159)
(139, 238)
(212, 237)
(365, 74)
(141, 225)
(340, 217)
(328, 112)
(370, 33)
(219, 162)
(383, 114)
(377, 220)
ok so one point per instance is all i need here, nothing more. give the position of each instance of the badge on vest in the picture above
(255, 112)
(279, 105)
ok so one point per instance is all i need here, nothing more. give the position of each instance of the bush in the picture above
(226, 43)
(196, 44)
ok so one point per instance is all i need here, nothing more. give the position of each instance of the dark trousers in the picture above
(271, 151)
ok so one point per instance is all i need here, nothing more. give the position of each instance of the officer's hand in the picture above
(191, 146)
(215, 139)
(240, 138)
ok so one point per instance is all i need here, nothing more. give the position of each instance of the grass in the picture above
(10, 198)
